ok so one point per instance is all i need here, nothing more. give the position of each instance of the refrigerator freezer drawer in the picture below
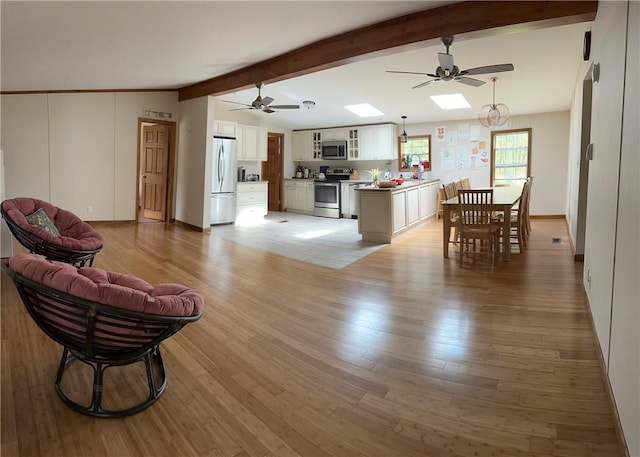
(223, 208)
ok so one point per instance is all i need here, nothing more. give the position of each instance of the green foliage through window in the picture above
(511, 156)
(416, 151)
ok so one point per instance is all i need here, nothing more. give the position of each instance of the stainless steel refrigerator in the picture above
(223, 181)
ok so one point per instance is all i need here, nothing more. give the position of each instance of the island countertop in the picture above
(405, 185)
(389, 211)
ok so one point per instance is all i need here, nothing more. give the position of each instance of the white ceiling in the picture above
(96, 45)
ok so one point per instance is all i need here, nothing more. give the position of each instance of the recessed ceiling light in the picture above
(451, 101)
(364, 110)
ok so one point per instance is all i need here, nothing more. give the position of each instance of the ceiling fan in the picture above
(447, 71)
(263, 104)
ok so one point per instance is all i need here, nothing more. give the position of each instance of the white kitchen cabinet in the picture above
(413, 206)
(428, 199)
(225, 128)
(334, 135)
(385, 213)
(399, 210)
(252, 143)
(251, 200)
(378, 142)
(353, 144)
(298, 196)
(302, 143)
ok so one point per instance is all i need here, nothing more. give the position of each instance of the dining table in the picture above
(504, 199)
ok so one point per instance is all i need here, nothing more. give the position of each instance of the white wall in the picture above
(25, 140)
(612, 244)
(195, 143)
(77, 150)
(549, 157)
(624, 359)
(606, 124)
(81, 150)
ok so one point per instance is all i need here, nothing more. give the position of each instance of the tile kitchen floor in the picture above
(333, 243)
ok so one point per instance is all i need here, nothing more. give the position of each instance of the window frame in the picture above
(401, 153)
(496, 133)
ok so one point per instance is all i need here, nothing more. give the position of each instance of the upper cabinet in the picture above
(377, 142)
(225, 128)
(307, 145)
(334, 135)
(252, 143)
(365, 142)
(353, 144)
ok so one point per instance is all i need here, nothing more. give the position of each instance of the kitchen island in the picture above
(387, 212)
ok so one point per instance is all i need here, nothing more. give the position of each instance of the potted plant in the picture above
(375, 175)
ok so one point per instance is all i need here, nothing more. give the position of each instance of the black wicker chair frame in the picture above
(37, 245)
(100, 336)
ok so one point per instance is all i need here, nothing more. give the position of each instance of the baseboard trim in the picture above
(193, 227)
(548, 216)
(622, 442)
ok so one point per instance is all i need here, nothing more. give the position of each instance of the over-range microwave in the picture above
(333, 150)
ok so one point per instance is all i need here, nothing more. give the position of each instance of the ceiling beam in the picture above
(398, 35)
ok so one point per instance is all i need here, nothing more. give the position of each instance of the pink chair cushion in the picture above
(109, 288)
(75, 234)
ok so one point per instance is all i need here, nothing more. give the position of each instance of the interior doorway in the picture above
(583, 183)
(156, 164)
(272, 170)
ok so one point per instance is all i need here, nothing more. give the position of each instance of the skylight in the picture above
(364, 110)
(451, 101)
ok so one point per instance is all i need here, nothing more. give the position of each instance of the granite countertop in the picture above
(405, 185)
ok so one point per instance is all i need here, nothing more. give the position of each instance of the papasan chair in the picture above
(53, 232)
(105, 320)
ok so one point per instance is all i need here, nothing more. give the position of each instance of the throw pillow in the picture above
(39, 218)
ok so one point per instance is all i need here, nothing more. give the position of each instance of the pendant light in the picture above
(404, 137)
(493, 115)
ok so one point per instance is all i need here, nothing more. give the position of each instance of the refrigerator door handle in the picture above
(220, 166)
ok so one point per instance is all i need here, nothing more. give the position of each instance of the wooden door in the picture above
(272, 170)
(155, 171)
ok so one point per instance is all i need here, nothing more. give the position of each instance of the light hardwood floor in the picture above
(398, 354)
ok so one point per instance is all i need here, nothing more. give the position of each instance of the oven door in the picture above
(327, 199)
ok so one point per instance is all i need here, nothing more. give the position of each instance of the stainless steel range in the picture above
(327, 193)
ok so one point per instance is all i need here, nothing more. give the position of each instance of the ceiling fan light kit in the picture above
(404, 137)
(494, 114)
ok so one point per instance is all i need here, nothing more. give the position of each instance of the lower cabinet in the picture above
(385, 213)
(251, 200)
(298, 196)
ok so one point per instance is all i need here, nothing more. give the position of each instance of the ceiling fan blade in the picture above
(488, 69)
(409, 72)
(469, 81)
(243, 104)
(446, 61)
(267, 100)
(268, 110)
(239, 109)
(425, 83)
(285, 106)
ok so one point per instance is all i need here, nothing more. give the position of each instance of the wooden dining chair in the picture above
(519, 218)
(450, 191)
(465, 183)
(527, 219)
(479, 235)
(441, 197)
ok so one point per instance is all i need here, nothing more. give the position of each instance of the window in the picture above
(416, 151)
(510, 156)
